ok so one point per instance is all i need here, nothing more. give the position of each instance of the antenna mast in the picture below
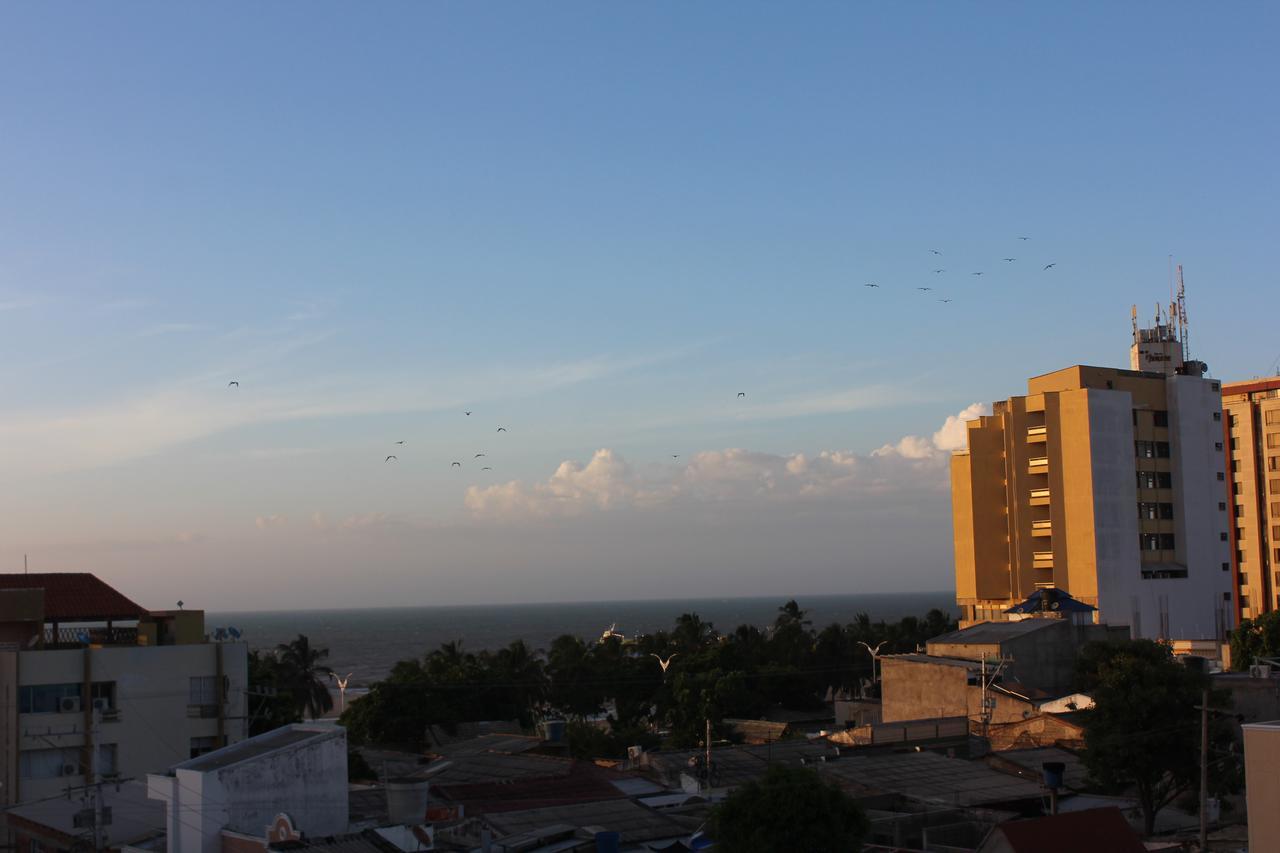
(1184, 330)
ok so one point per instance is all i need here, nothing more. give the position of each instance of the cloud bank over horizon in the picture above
(607, 482)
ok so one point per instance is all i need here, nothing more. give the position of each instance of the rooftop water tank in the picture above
(407, 801)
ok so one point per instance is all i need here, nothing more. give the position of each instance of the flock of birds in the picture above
(392, 457)
(940, 271)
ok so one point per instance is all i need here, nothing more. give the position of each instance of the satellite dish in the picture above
(234, 632)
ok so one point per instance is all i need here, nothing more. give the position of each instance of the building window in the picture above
(1273, 463)
(1226, 567)
(1275, 532)
(1271, 417)
(1217, 445)
(1160, 417)
(1222, 536)
(1222, 505)
(1244, 600)
(1244, 579)
(1239, 510)
(1274, 486)
(1239, 534)
(1275, 509)
(1240, 558)
(1236, 488)
(49, 763)
(1217, 416)
(1235, 466)
(1233, 421)
(49, 698)
(108, 759)
(201, 745)
(1145, 449)
(1166, 541)
(103, 694)
(1273, 439)
(204, 691)
(1221, 476)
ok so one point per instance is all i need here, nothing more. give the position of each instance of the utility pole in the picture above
(1204, 769)
(708, 744)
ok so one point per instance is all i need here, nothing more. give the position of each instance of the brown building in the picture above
(1252, 421)
(1106, 484)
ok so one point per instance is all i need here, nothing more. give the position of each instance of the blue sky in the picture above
(592, 224)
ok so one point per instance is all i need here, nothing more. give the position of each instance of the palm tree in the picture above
(305, 677)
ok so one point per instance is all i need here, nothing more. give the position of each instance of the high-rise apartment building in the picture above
(1106, 484)
(1252, 412)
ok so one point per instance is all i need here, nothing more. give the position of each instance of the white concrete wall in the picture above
(1196, 603)
(1115, 510)
(307, 781)
(153, 731)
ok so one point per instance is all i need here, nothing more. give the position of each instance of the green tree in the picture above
(271, 703)
(791, 808)
(1143, 733)
(1255, 638)
(304, 677)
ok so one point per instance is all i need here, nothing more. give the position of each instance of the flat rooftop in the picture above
(254, 747)
(989, 633)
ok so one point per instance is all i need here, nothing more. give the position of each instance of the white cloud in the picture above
(954, 434)
(607, 482)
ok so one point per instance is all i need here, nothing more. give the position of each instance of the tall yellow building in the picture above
(1252, 410)
(1108, 485)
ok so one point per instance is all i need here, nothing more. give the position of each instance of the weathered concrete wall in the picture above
(912, 690)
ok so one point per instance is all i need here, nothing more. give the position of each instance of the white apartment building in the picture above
(92, 685)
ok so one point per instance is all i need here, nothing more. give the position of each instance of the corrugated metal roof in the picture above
(1095, 829)
(635, 822)
(76, 597)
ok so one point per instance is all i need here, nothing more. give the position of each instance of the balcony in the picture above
(1039, 497)
(1039, 465)
(1037, 434)
(78, 638)
(1042, 559)
(1042, 528)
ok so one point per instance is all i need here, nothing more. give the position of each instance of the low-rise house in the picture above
(632, 827)
(124, 817)
(101, 687)
(1262, 783)
(1102, 830)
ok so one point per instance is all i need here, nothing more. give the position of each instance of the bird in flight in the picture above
(924, 288)
(675, 455)
(468, 414)
(870, 285)
(478, 455)
(456, 465)
(944, 300)
(388, 459)
(663, 663)
(935, 251)
(486, 468)
(1024, 238)
(399, 442)
(976, 273)
(938, 271)
(502, 429)
(1010, 260)
(742, 393)
(233, 382)
(1049, 266)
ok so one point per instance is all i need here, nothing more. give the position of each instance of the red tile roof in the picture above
(1098, 830)
(75, 597)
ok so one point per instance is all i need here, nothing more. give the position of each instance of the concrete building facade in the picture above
(94, 686)
(1107, 484)
(1251, 411)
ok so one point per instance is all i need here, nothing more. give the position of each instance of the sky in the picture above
(636, 236)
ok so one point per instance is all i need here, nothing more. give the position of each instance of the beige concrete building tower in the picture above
(1107, 484)
(1252, 412)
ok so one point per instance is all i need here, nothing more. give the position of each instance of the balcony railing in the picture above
(1039, 465)
(1037, 434)
(69, 638)
(1042, 528)
(1039, 497)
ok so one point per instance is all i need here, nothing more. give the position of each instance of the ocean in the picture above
(367, 643)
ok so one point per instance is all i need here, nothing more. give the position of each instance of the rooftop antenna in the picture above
(24, 564)
(1184, 330)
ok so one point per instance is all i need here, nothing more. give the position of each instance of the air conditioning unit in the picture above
(70, 770)
(1260, 670)
(102, 704)
(69, 704)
